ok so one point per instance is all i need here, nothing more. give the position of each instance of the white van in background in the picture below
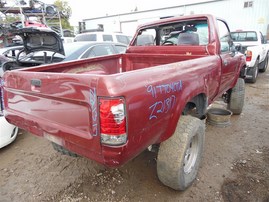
(67, 39)
(103, 36)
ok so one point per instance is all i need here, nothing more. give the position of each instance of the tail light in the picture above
(113, 121)
(248, 55)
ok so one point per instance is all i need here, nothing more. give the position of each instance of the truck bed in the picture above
(113, 64)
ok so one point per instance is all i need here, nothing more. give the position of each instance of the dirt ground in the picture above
(235, 166)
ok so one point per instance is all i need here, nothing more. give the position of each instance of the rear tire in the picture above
(179, 157)
(62, 150)
(237, 97)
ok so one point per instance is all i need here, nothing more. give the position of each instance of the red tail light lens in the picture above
(113, 121)
(248, 56)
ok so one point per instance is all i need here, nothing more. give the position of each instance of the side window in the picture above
(202, 30)
(184, 33)
(146, 37)
(224, 37)
(120, 49)
(107, 37)
(99, 50)
(123, 39)
(86, 37)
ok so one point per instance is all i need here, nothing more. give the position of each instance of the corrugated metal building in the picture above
(240, 14)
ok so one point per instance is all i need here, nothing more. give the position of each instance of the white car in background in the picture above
(8, 132)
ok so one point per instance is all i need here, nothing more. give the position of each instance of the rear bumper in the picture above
(81, 144)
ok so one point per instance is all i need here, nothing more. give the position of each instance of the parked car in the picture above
(256, 49)
(103, 36)
(8, 132)
(82, 50)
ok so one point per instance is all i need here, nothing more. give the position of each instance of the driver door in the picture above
(229, 61)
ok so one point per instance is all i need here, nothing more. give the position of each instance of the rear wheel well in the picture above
(196, 106)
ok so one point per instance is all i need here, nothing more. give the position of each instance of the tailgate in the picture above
(60, 107)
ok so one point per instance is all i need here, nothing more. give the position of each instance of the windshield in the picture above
(193, 32)
(72, 48)
(244, 36)
(86, 37)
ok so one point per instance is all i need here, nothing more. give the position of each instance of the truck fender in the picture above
(200, 102)
(195, 106)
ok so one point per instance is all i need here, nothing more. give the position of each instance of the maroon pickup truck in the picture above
(110, 109)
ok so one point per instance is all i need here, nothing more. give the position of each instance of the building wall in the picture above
(238, 17)
(233, 11)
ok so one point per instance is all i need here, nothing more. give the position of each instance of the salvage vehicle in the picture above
(256, 49)
(111, 108)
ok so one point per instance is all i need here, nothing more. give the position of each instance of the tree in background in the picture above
(9, 19)
(65, 13)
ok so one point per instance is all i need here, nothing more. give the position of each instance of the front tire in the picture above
(179, 157)
(237, 97)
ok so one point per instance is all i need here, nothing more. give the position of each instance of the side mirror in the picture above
(238, 47)
(235, 48)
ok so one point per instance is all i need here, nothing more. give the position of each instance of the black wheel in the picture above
(237, 97)
(264, 64)
(253, 73)
(179, 157)
(62, 150)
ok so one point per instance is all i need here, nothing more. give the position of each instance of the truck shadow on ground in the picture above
(121, 184)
